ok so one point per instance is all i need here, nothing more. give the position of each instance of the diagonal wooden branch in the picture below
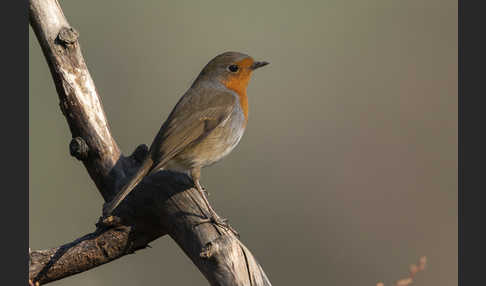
(79, 100)
(164, 203)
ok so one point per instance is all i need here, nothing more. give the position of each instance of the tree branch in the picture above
(79, 100)
(163, 203)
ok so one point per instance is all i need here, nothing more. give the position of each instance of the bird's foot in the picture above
(221, 222)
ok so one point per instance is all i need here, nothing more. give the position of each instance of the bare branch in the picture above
(163, 203)
(80, 255)
(79, 100)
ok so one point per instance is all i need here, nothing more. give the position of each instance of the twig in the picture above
(413, 270)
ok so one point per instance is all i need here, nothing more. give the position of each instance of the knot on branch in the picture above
(220, 244)
(78, 148)
(68, 36)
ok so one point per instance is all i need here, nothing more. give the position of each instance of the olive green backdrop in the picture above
(347, 172)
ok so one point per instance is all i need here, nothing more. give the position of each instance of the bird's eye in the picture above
(233, 68)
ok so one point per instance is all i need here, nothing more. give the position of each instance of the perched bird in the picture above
(204, 126)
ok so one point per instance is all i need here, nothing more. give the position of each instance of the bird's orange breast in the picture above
(239, 82)
(241, 91)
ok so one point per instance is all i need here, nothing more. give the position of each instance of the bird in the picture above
(204, 126)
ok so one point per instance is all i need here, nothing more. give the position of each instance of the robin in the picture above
(206, 124)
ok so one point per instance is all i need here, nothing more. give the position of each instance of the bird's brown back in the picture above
(199, 116)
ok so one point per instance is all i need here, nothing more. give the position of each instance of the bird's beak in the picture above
(256, 65)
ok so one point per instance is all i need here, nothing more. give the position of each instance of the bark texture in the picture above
(163, 203)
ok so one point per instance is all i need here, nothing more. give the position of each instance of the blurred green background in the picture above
(347, 172)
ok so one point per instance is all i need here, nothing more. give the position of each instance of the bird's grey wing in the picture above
(196, 114)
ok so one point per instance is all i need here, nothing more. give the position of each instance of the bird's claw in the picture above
(221, 222)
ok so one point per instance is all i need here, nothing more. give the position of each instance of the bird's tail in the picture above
(109, 207)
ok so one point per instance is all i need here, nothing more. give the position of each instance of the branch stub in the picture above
(68, 36)
(78, 148)
(206, 252)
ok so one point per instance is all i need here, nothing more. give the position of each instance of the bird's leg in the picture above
(206, 202)
(213, 218)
